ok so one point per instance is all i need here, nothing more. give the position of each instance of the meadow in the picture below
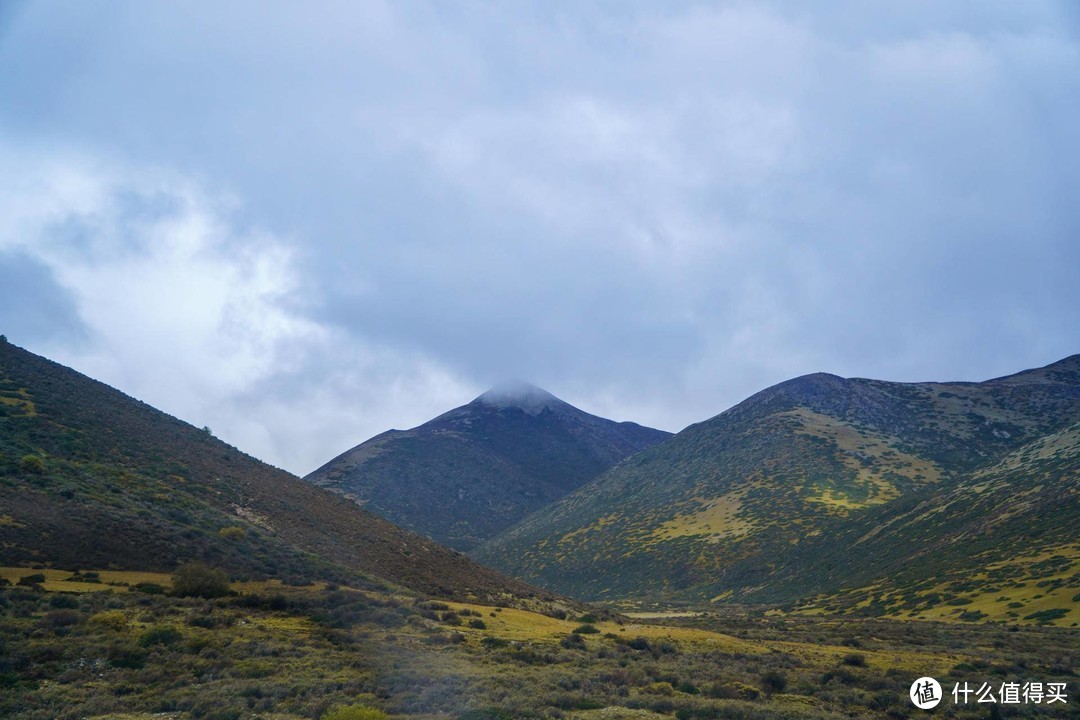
(110, 644)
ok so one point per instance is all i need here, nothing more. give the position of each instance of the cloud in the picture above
(652, 211)
(176, 304)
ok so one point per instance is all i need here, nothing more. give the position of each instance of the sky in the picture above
(302, 224)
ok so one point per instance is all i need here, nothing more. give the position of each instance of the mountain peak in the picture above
(522, 395)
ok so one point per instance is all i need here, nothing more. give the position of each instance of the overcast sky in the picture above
(305, 223)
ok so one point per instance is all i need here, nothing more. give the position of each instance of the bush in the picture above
(165, 635)
(773, 681)
(572, 641)
(109, 620)
(198, 580)
(32, 464)
(354, 712)
(586, 630)
(478, 624)
(855, 660)
(1045, 616)
(31, 580)
(63, 618)
(150, 588)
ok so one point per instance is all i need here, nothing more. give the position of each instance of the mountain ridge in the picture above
(720, 504)
(90, 477)
(476, 469)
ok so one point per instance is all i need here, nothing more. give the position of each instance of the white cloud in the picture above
(200, 317)
(673, 204)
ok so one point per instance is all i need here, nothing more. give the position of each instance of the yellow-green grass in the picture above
(713, 517)
(617, 713)
(525, 626)
(832, 655)
(19, 399)
(853, 444)
(1032, 597)
(250, 587)
(660, 615)
(989, 596)
(115, 580)
(120, 580)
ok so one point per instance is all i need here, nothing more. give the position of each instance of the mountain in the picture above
(1001, 542)
(478, 469)
(91, 478)
(804, 474)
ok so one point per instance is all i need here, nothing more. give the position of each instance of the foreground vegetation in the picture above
(133, 649)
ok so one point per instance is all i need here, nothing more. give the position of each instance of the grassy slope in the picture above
(289, 653)
(1000, 543)
(124, 486)
(723, 504)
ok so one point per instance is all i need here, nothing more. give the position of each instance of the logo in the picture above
(925, 693)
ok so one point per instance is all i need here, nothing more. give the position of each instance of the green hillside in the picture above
(1002, 543)
(92, 478)
(478, 469)
(333, 614)
(728, 507)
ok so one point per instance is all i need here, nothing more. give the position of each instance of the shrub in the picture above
(1045, 616)
(586, 630)
(31, 580)
(478, 624)
(572, 641)
(109, 620)
(63, 618)
(165, 635)
(63, 601)
(773, 681)
(32, 464)
(855, 660)
(354, 712)
(198, 580)
(150, 588)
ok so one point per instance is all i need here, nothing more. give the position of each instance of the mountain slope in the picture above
(1001, 542)
(90, 477)
(476, 470)
(723, 504)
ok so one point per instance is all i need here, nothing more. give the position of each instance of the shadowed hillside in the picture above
(90, 477)
(476, 470)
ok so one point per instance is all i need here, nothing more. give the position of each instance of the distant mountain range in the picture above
(956, 501)
(853, 491)
(478, 469)
(91, 478)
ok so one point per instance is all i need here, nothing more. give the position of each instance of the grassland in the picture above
(280, 652)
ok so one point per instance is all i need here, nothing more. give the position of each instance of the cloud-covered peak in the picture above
(522, 395)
